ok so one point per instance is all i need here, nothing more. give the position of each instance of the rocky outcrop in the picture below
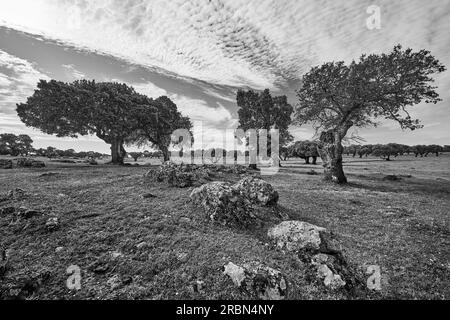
(315, 245)
(236, 203)
(296, 235)
(257, 280)
(223, 203)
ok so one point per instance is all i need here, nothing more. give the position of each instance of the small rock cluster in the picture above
(258, 280)
(227, 203)
(30, 163)
(314, 243)
(6, 164)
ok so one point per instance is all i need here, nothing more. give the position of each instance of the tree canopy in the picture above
(15, 145)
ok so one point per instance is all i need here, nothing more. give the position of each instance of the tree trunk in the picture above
(165, 152)
(307, 160)
(117, 151)
(331, 150)
(314, 160)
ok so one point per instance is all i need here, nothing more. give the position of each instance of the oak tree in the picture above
(335, 97)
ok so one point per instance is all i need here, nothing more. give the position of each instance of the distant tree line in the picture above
(387, 151)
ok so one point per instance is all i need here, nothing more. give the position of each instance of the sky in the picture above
(200, 52)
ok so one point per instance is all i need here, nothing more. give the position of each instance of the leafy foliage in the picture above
(262, 111)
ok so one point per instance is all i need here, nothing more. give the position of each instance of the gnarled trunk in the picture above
(331, 150)
(117, 151)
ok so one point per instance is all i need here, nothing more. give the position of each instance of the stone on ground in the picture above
(223, 203)
(296, 235)
(258, 280)
(258, 191)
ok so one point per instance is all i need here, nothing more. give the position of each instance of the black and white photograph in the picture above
(224, 156)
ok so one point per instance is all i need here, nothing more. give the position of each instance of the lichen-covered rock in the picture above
(30, 163)
(258, 191)
(296, 235)
(6, 164)
(223, 203)
(258, 280)
(330, 279)
(236, 203)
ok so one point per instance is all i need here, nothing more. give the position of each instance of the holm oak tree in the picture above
(335, 97)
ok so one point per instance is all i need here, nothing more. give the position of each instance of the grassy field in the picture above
(131, 247)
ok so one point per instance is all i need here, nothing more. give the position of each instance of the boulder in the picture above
(258, 191)
(236, 203)
(6, 164)
(296, 235)
(258, 280)
(223, 203)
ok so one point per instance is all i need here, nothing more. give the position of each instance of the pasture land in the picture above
(131, 247)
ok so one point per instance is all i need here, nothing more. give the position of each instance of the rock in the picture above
(235, 272)
(6, 164)
(258, 280)
(52, 224)
(30, 163)
(330, 279)
(236, 203)
(223, 203)
(296, 235)
(257, 191)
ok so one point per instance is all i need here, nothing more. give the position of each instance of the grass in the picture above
(159, 248)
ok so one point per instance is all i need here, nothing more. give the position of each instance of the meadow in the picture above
(133, 239)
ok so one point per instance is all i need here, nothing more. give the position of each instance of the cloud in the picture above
(18, 79)
(259, 43)
(204, 50)
(72, 72)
